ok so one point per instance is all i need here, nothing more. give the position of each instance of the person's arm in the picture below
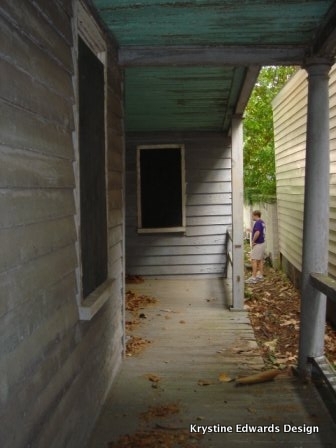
(255, 237)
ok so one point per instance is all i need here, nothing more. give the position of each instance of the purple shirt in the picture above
(259, 225)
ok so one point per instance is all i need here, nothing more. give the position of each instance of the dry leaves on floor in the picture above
(274, 310)
(135, 302)
(158, 438)
(205, 382)
(131, 325)
(224, 378)
(162, 435)
(153, 378)
(161, 411)
(136, 345)
(135, 279)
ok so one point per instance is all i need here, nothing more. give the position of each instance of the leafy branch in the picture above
(259, 159)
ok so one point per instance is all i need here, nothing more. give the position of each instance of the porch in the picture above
(174, 382)
(86, 85)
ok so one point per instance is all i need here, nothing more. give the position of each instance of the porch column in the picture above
(237, 213)
(316, 213)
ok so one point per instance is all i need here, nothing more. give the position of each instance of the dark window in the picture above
(93, 219)
(161, 188)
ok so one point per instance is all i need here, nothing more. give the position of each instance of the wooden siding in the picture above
(200, 250)
(289, 109)
(332, 191)
(55, 369)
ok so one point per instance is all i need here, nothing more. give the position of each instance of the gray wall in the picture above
(54, 369)
(200, 250)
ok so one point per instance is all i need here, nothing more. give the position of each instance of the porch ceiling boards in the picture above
(190, 65)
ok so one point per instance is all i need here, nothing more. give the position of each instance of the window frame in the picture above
(87, 29)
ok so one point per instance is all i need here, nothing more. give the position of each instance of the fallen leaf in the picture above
(224, 378)
(289, 322)
(153, 378)
(204, 382)
(271, 344)
(134, 302)
(157, 437)
(135, 345)
(163, 410)
(134, 279)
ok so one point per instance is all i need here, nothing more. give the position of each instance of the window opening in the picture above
(161, 188)
(93, 214)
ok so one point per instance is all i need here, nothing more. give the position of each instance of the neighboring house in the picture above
(290, 127)
(84, 87)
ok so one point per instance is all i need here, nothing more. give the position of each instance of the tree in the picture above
(259, 159)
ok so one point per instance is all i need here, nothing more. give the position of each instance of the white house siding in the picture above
(200, 250)
(289, 109)
(332, 191)
(55, 369)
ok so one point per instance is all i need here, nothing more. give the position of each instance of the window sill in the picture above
(96, 300)
(162, 230)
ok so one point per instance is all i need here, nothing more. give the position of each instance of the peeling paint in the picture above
(202, 98)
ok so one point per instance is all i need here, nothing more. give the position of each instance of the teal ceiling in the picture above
(188, 63)
(214, 22)
(182, 98)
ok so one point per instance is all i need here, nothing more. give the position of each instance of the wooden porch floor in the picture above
(194, 339)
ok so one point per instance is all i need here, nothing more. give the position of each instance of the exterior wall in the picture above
(55, 369)
(332, 191)
(200, 250)
(289, 109)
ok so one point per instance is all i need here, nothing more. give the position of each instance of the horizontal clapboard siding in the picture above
(200, 249)
(332, 191)
(289, 109)
(55, 369)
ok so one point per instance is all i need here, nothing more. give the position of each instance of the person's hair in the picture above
(257, 213)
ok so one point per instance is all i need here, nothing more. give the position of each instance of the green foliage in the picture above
(259, 160)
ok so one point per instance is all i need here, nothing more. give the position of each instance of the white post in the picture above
(237, 214)
(316, 213)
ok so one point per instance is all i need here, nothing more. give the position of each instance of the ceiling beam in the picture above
(236, 85)
(168, 136)
(245, 93)
(137, 56)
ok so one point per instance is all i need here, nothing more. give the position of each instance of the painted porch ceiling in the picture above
(191, 64)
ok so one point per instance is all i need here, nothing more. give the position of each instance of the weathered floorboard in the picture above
(193, 337)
